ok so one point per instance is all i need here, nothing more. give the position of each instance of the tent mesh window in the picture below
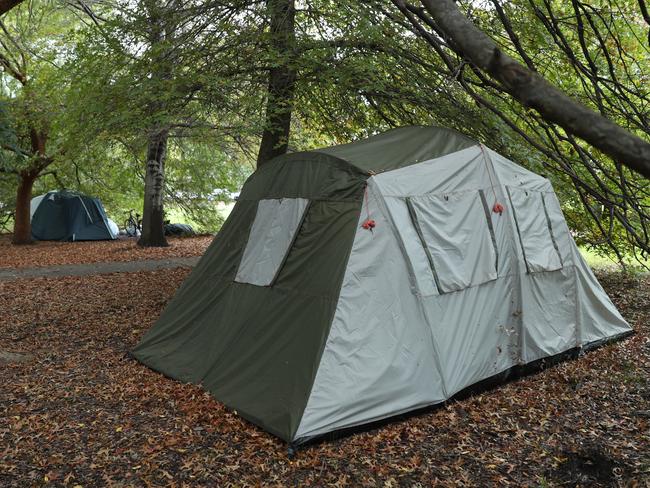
(273, 231)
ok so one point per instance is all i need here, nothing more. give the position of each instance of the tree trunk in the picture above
(22, 220)
(530, 89)
(282, 80)
(153, 234)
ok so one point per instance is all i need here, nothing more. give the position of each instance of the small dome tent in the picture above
(362, 281)
(69, 216)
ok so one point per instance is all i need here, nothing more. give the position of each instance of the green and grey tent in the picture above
(69, 216)
(362, 281)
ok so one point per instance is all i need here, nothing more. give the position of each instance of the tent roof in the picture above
(339, 172)
(400, 147)
(68, 194)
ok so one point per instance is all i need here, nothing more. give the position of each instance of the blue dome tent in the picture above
(69, 216)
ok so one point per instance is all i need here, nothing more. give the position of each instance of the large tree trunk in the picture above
(282, 80)
(533, 91)
(153, 234)
(22, 221)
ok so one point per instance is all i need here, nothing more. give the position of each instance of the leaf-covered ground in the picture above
(79, 414)
(52, 253)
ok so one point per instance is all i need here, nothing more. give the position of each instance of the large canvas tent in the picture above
(70, 216)
(362, 281)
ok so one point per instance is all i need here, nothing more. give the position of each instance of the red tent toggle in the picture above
(368, 224)
(498, 208)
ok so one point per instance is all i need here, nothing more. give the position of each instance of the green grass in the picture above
(596, 261)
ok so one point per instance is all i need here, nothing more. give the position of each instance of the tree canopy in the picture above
(559, 87)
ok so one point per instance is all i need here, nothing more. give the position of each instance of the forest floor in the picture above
(85, 269)
(75, 412)
(52, 253)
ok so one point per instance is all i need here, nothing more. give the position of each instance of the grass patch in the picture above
(598, 261)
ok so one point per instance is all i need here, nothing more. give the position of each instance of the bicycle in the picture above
(133, 224)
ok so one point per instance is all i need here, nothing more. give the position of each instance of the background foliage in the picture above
(362, 67)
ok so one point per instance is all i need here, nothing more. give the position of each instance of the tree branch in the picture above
(7, 5)
(533, 91)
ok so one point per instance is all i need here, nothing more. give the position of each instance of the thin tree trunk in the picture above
(153, 234)
(22, 218)
(22, 222)
(282, 80)
(531, 90)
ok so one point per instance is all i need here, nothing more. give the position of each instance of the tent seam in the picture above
(331, 321)
(489, 166)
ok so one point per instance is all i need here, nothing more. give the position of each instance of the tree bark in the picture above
(22, 221)
(533, 91)
(282, 80)
(7, 5)
(153, 234)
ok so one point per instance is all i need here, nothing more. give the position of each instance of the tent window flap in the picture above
(273, 231)
(420, 271)
(458, 239)
(418, 230)
(538, 244)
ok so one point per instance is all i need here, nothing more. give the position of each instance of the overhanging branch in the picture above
(7, 5)
(533, 91)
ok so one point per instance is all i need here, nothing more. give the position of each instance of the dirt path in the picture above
(95, 268)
